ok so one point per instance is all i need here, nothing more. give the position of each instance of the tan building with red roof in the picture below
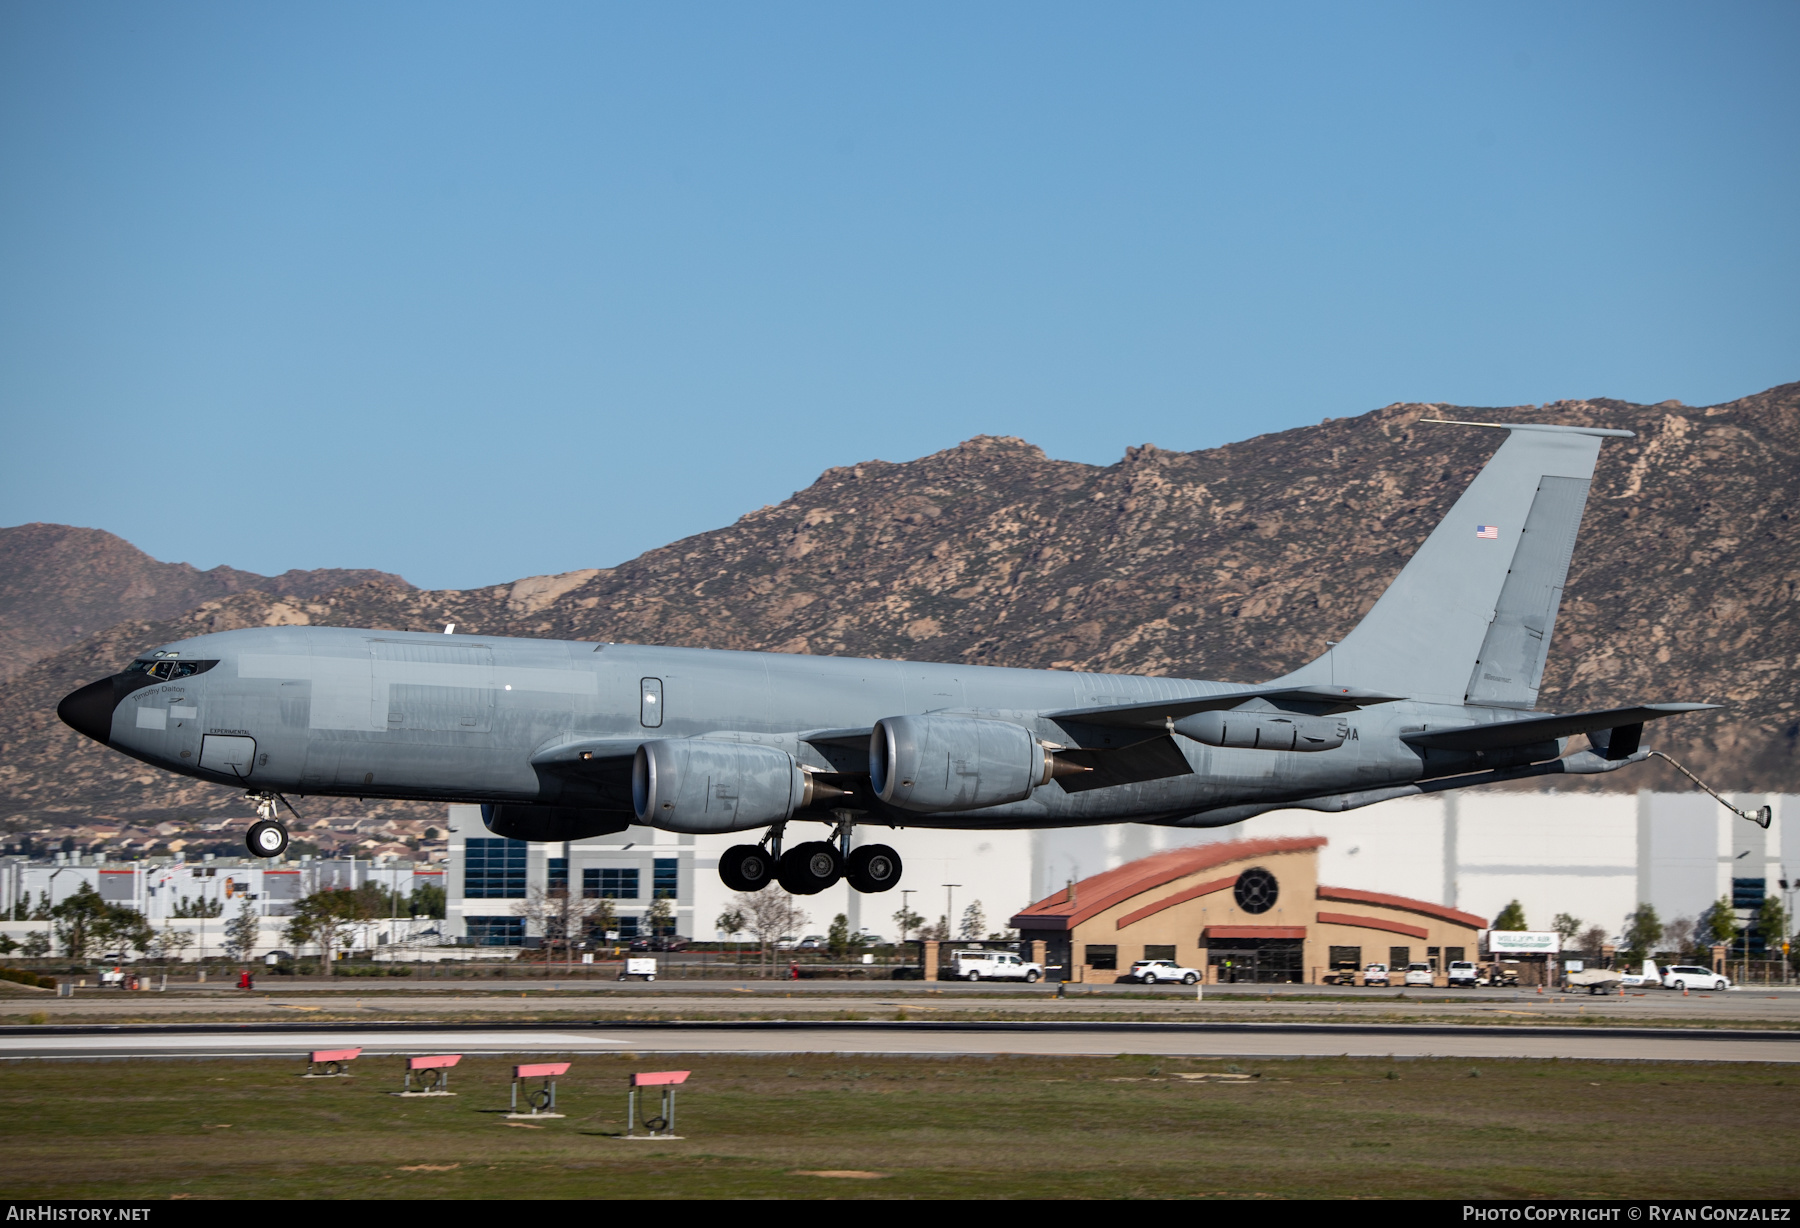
(1244, 910)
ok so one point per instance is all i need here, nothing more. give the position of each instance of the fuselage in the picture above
(320, 711)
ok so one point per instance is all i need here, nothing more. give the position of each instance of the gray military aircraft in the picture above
(1434, 689)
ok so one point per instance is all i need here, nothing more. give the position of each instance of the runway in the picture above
(913, 1038)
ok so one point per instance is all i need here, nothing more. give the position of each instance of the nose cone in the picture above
(90, 710)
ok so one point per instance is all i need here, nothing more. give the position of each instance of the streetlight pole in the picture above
(905, 907)
(950, 909)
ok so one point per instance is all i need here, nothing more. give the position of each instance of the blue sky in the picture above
(470, 292)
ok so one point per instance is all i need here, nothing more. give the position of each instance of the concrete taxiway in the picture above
(918, 1039)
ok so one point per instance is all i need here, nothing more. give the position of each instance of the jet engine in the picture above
(697, 786)
(1263, 730)
(938, 763)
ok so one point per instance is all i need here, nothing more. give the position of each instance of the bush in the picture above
(21, 977)
(371, 970)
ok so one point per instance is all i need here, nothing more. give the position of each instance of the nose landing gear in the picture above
(267, 836)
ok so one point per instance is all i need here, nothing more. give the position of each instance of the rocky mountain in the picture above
(1235, 563)
(60, 584)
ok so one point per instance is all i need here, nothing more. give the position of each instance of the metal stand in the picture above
(330, 1063)
(661, 1126)
(433, 1074)
(540, 1100)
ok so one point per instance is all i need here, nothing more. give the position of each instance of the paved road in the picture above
(275, 998)
(919, 1039)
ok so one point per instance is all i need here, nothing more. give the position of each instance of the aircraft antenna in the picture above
(1761, 818)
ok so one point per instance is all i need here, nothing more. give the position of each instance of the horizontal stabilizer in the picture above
(1501, 734)
(1158, 713)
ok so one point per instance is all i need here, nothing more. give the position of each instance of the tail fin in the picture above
(1469, 618)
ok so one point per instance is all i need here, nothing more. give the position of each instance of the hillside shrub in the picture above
(20, 976)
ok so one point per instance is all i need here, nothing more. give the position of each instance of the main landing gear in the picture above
(267, 836)
(809, 868)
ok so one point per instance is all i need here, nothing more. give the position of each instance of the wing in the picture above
(1502, 734)
(1158, 713)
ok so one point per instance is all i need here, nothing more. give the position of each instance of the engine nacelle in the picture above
(938, 763)
(552, 823)
(693, 785)
(1264, 730)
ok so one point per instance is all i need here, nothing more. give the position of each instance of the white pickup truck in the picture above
(993, 966)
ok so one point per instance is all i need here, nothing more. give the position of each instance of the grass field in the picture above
(924, 1127)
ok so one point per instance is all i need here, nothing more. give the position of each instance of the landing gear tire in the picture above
(807, 869)
(266, 838)
(873, 867)
(746, 867)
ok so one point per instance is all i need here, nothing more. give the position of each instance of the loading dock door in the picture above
(650, 705)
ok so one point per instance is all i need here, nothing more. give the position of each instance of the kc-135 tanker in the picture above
(1436, 688)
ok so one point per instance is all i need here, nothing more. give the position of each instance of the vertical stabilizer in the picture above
(1469, 618)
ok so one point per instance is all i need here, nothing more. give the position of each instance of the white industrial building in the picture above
(157, 889)
(1595, 856)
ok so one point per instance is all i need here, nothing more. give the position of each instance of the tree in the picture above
(77, 918)
(36, 945)
(169, 942)
(1772, 924)
(329, 917)
(242, 932)
(124, 927)
(1678, 935)
(730, 922)
(837, 936)
(1592, 939)
(201, 907)
(908, 921)
(42, 911)
(428, 900)
(1512, 917)
(769, 916)
(559, 915)
(1643, 928)
(660, 916)
(974, 922)
(1718, 925)
(1566, 927)
(938, 931)
(7, 945)
(602, 919)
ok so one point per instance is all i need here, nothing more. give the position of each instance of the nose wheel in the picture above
(267, 837)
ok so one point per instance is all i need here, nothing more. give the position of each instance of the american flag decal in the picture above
(1491, 531)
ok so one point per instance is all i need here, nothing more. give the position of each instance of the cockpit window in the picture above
(169, 669)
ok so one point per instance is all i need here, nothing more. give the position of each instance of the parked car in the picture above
(1692, 976)
(993, 966)
(812, 942)
(1153, 971)
(1418, 975)
(1375, 974)
(1463, 974)
(663, 942)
